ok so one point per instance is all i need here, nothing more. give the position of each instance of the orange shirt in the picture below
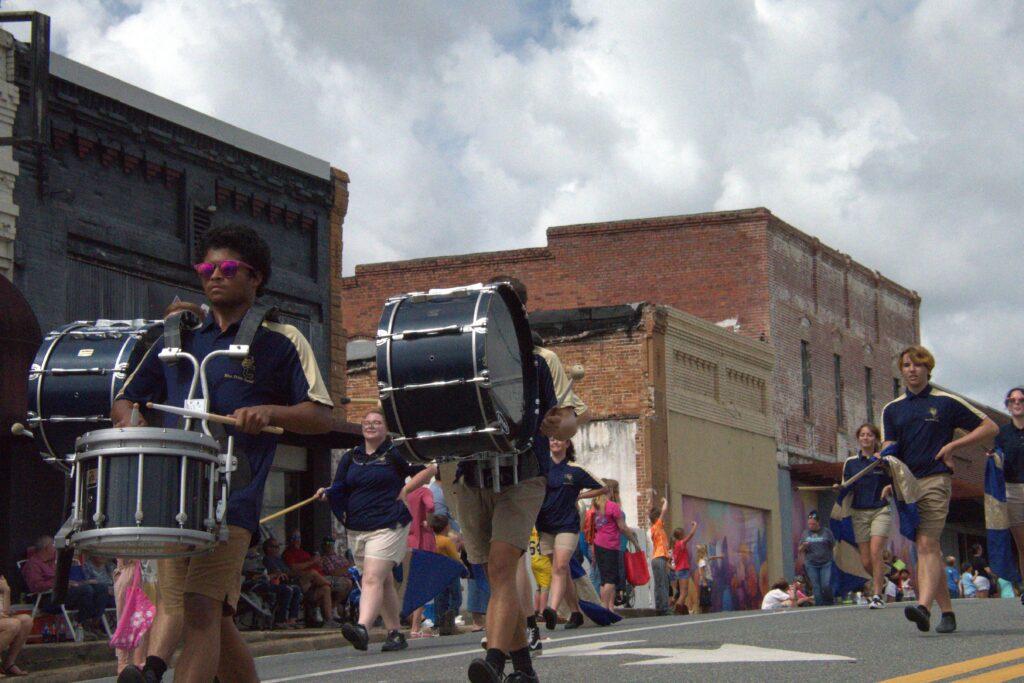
(659, 539)
(446, 547)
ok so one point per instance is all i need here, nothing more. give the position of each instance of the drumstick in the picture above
(19, 429)
(575, 373)
(846, 484)
(212, 417)
(364, 400)
(291, 508)
(816, 488)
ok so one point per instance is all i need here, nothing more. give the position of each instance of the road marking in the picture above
(957, 668)
(726, 653)
(1007, 673)
(599, 633)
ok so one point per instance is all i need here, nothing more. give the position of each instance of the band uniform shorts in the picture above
(381, 544)
(868, 523)
(933, 505)
(507, 516)
(216, 575)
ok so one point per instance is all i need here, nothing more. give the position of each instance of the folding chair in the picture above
(38, 601)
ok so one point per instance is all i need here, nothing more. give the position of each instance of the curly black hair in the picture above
(244, 241)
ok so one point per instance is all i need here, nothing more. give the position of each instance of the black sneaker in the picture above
(133, 674)
(920, 615)
(481, 671)
(575, 621)
(520, 677)
(550, 618)
(947, 624)
(394, 642)
(446, 624)
(533, 638)
(357, 635)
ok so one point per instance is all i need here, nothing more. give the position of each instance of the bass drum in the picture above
(76, 374)
(455, 372)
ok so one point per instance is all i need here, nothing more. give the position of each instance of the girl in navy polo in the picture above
(558, 523)
(368, 497)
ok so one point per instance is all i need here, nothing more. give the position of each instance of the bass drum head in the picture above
(508, 355)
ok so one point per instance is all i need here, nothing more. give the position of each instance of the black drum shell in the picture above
(101, 356)
(447, 357)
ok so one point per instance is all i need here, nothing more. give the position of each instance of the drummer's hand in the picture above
(184, 306)
(559, 423)
(123, 418)
(253, 419)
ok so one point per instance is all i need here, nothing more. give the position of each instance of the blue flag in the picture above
(849, 574)
(1001, 557)
(429, 574)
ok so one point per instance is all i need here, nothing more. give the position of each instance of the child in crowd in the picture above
(952, 577)
(448, 602)
(967, 588)
(781, 595)
(681, 566)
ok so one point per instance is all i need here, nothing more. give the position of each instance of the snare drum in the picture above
(76, 374)
(145, 492)
(455, 372)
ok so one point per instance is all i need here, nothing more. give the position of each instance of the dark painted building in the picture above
(108, 215)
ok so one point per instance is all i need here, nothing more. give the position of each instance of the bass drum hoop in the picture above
(149, 542)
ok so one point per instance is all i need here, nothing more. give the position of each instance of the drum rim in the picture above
(97, 539)
(143, 434)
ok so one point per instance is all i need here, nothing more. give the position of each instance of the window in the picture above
(805, 368)
(869, 396)
(837, 368)
(896, 387)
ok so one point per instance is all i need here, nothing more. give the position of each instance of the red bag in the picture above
(637, 572)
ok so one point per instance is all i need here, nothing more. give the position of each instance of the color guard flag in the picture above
(1001, 557)
(591, 609)
(429, 573)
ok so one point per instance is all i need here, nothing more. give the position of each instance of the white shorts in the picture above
(381, 544)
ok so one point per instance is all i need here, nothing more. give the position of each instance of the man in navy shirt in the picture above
(922, 423)
(278, 384)
(1010, 441)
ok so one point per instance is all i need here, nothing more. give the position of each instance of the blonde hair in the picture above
(613, 489)
(919, 355)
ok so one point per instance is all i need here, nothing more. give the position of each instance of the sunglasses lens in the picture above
(228, 268)
(205, 269)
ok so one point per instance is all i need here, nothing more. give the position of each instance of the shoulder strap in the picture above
(251, 323)
(173, 325)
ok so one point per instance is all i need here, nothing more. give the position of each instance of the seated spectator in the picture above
(311, 577)
(449, 601)
(285, 588)
(781, 595)
(800, 593)
(967, 588)
(88, 599)
(892, 593)
(335, 569)
(1005, 588)
(14, 631)
(952, 577)
(982, 585)
(907, 585)
(99, 571)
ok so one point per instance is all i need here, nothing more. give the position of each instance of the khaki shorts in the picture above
(868, 523)
(567, 540)
(507, 516)
(216, 575)
(380, 544)
(1015, 503)
(933, 505)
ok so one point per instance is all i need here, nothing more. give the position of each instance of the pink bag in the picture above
(136, 614)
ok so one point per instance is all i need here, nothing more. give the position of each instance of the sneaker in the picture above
(947, 624)
(427, 623)
(520, 677)
(394, 642)
(575, 621)
(483, 642)
(460, 620)
(920, 615)
(550, 618)
(533, 638)
(357, 635)
(876, 602)
(481, 671)
(133, 674)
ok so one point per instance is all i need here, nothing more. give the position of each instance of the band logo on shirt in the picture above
(248, 371)
(934, 412)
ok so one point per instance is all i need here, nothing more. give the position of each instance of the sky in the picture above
(892, 131)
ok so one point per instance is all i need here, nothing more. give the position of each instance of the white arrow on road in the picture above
(728, 652)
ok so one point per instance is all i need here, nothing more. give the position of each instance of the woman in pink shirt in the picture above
(609, 524)
(421, 536)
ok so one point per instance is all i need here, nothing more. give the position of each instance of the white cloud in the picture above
(890, 130)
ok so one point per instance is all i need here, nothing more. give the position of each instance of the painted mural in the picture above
(736, 536)
(805, 501)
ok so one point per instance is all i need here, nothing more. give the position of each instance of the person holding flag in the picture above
(1004, 492)
(872, 518)
(920, 424)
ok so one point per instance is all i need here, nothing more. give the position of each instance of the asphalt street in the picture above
(835, 644)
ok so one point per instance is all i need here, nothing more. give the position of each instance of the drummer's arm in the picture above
(560, 423)
(306, 417)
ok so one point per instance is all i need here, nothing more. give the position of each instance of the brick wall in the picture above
(774, 281)
(338, 337)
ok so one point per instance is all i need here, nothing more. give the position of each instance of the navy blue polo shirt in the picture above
(548, 400)
(280, 370)
(921, 424)
(364, 494)
(1010, 441)
(565, 482)
(867, 491)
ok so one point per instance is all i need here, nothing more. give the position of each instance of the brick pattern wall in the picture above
(774, 281)
(338, 337)
(9, 98)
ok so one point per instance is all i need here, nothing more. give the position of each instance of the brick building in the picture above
(101, 217)
(835, 324)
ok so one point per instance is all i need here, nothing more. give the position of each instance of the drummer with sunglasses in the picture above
(279, 384)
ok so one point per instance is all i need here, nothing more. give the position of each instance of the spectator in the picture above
(89, 599)
(982, 585)
(1005, 588)
(705, 577)
(609, 527)
(448, 602)
(892, 593)
(980, 563)
(661, 572)
(478, 594)
(952, 577)
(800, 597)
(967, 588)
(781, 595)
(421, 537)
(681, 566)
(816, 545)
(540, 565)
(124, 576)
(907, 585)
(99, 572)
(311, 577)
(285, 586)
(335, 568)
(441, 504)
(14, 631)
